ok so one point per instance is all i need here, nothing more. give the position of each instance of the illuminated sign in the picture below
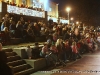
(25, 11)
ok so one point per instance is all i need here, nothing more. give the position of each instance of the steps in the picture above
(13, 58)
(35, 63)
(25, 72)
(18, 66)
(16, 63)
(11, 53)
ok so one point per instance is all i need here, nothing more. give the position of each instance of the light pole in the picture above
(68, 10)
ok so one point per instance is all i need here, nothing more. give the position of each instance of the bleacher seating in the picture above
(15, 41)
(40, 39)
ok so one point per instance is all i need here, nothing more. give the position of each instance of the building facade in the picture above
(53, 12)
(45, 5)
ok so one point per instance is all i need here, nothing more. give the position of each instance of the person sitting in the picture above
(29, 52)
(3, 25)
(54, 49)
(45, 50)
(36, 51)
(6, 35)
(19, 29)
(30, 34)
(48, 55)
(12, 28)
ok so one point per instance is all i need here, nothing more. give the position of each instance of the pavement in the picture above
(89, 64)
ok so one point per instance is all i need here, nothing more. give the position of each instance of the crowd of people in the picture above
(74, 43)
(66, 42)
(25, 30)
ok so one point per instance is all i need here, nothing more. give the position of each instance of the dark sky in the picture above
(62, 6)
(62, 3)
(66, 3)
(87, 11)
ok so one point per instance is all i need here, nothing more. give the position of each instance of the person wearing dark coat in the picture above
(4, 68)
(66, 36)
(76, 35)
(36, 51)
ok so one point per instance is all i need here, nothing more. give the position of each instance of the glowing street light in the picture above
(77, 22)
(68, 10)
(72, 18)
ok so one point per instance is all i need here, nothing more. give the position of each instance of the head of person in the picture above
(36, 44)
(28, 46)
(74, 43)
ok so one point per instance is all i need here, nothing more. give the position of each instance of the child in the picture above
(75, 51)
(44, 50)
(29, 52)
(54, 49)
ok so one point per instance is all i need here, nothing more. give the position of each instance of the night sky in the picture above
(86, 11)
(62, 3)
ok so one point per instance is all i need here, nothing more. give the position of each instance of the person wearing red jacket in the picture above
(75, 51)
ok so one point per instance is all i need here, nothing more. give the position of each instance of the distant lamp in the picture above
(77, 22)
(72, 21)
(71, 18)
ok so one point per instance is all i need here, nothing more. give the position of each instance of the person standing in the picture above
(29, 52)
(75, 51)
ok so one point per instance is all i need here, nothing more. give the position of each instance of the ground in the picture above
(89, 64)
